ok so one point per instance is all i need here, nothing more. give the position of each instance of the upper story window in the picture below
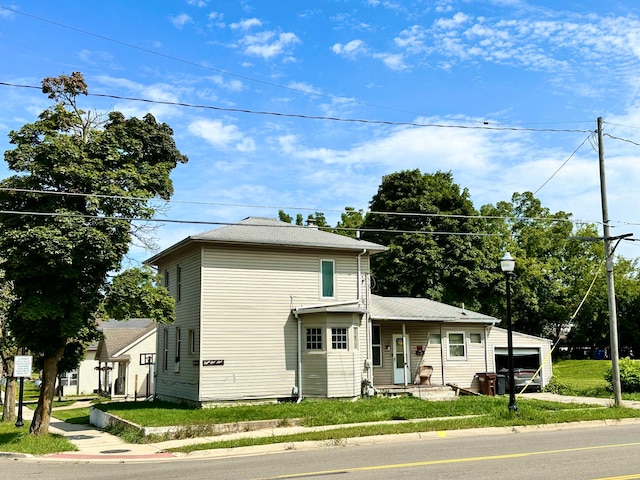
(475, 338)
(179, 283)
(178, 344)
(327, 274)
(166, 279)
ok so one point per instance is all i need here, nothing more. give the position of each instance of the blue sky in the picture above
(544, 71)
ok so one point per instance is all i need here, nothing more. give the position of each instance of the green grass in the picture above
(17, 440)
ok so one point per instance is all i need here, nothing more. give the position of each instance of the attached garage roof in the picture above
(423, 309)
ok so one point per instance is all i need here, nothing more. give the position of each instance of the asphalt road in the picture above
(593, 452)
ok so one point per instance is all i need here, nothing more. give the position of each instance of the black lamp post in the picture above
(507, 264)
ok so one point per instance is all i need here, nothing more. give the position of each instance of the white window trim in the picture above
(333, 277)
(464, 345)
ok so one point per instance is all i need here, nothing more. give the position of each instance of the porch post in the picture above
(405, 352)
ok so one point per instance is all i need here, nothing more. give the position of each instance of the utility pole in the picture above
(611, 295)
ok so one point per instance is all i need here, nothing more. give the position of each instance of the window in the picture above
(339, 339)
(179, 283)
(178, 340)
(475, 338)
(356, 340)
(69, 378)
(435, 339)
(314, 339)
(376, 345)
(456, 345)
(165, 350)
(327, 274)
(192, 341)
(166, 279)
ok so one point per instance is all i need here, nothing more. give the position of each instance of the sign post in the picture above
(22, 365)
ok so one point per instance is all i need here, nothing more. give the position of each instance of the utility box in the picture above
(487, 382)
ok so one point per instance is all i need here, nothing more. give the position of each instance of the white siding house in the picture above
(270, 310)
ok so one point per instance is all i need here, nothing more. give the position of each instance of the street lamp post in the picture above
(507, 265)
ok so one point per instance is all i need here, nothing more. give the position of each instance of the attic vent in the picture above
(311, 223)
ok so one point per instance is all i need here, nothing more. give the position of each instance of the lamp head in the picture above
(507, 263)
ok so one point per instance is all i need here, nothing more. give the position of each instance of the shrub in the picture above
(629, 375)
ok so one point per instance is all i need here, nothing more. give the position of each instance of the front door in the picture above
(400, 359)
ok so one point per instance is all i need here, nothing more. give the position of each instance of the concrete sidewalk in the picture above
(94, 444)
(97, 446)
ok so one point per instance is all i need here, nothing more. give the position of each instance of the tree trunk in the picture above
(9, 409)
(42, 414)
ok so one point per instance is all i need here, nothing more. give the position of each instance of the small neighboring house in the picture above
(270, 310)
(120, 363)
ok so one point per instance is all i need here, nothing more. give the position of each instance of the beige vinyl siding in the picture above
(462, 371)
(342, 364)
(247, 297)
(182, 384)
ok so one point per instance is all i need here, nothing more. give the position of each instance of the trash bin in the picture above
(501, 383)
(487, 383)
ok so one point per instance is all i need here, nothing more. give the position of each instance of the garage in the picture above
(523, 357)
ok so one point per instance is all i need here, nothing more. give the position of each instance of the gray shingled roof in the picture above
(422, 309)
(117, 338)
(268, 231)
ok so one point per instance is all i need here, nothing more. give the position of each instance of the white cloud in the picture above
(197, 3)
(395, 61)
(246, 24)
(350, 49)
(222, 135)
(268, 44)
(180, 20)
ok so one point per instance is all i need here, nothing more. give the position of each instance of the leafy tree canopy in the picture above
(80, 180)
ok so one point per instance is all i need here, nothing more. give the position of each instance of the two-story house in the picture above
(270, 310)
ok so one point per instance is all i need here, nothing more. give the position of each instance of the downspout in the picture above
(295, 314)
(486, 350)
(368, 363)
(405, 352)
(444, 380)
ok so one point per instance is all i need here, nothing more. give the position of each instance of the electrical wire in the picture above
(317, 117)
(563, 164)
(273, 207)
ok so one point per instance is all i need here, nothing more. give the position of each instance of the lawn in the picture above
(402, 415)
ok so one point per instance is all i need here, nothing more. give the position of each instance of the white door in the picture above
(400, 359)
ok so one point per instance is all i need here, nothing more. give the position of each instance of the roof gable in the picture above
(118, 340)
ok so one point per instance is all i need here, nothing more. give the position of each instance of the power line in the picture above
(563, 164)
(200, 65)
(208, 222)
(315, 209)
(318, 117)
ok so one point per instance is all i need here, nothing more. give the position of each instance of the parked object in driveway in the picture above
(523, 377)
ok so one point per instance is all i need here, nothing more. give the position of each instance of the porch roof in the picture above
(408, 309)
(335, 307)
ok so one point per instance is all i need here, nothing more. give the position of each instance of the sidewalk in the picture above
(97, 446)
(94, 444)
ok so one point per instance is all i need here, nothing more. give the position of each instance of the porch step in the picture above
(432, 392)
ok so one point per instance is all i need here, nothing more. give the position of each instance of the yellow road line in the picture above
(458, 460)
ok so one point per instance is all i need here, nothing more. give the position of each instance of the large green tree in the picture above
(438, 247)
(555, 262)
(80, 180)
